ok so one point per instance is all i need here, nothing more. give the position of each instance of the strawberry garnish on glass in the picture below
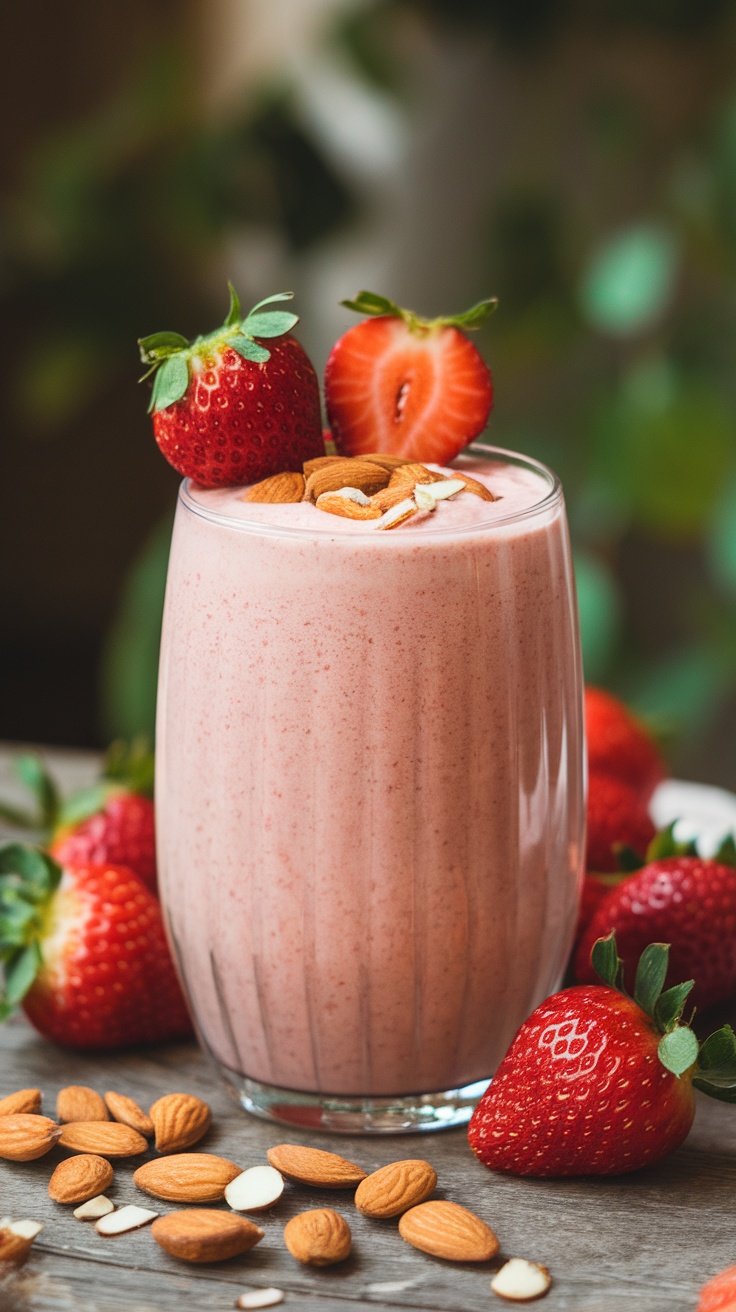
(405, 385)
(228, 409)
(600, 1083)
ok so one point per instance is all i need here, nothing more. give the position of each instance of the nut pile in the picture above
(98, 1131)
(382, 488)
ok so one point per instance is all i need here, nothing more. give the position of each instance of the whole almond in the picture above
(319, 462)
(16, 1238)
(448, 1230)
(315, 1166)
(78, 1178)
(107, 1138)
(337, 504)
(475, 485)
(389, 497)
(25, 1136)
(201, 1234)
(395, 1188)
(179, 1120)
(346, 472)
(187, 1177)
(320, 1237)
(385, 460)
(414, 473)
(127, 1112)
(279, 489)
(79, 1103)
(24, 1101)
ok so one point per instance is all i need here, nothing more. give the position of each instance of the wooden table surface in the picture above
(641, 1243)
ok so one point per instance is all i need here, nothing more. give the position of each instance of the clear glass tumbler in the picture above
(370, 795)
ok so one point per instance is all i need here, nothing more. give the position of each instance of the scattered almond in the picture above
(345, 472)
(201, 1234)
(16, 1238)
(79, 1103)
(255, 1298)
(280, 489)
(107, 1138)
(256, 1190)
(336, 503)
(25, 1101)
(447, 1230)
(179, 1121)
(395, 1188)
(94, 1208)
(320, 1237)
(127, 1112)
(474, 485)
(187, 1177)
(126, 1218)
(24, 1136)
(520, 1281)
(315, 1166)
(78, 1178)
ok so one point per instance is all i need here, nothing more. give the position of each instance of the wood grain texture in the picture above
(642, 1243)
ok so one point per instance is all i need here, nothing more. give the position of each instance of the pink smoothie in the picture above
(369, 781)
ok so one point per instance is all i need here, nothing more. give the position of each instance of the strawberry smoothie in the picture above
(369, 792)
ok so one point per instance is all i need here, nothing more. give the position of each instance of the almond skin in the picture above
(474, 485)
(127, 1112)
(26, 1136)
(385, 460)
(187, 1177)
(107, 1138)
(25, 1101)
(346, 472)
(281, 489)
(414, 473)
(334, 504)
(447, 1230)
(200, 1234)
(179, 1121)
(77, 1102)
(78, 1178)
(314, 1166)
(319, 462)
(395, 1188)
(320, 1237)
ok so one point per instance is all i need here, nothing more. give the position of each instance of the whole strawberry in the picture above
(685, 900)
(719, 1293)
(617, 816)
(84, 950)
(413, 387)
(618, 744)
(598, 1083)
(228, 410)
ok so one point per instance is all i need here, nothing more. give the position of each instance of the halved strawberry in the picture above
(414, 387)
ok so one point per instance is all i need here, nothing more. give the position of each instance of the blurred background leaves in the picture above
(577, 160)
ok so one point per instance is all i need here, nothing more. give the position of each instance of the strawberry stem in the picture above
(371, 303)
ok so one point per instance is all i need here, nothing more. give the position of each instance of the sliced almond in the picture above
(78, 1178)
(395, 1188)
(16, 1239)
(397, 514)
(94, 1208)
(336, 503)
(389, 497)
(24, 1136)
(411, 473)
(428, 495)
(125, 1218)
(319, 462)
(25, 1101)
(315, 1166)
(475, 485)
(179, 1121)
(107, 1138)
(520, 1281)
(256, 1190)
(320, 1237)
(449, 1231)
(201, 1234)
(187, 1177)
(127, 1112)
(77, 1102)
(256, 1298)
(280, 489)
(346, 472)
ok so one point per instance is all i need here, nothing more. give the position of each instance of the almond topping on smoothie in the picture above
(346, 472)
(280, 489)
(349, 502)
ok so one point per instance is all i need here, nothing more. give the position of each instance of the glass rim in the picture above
(552, 497)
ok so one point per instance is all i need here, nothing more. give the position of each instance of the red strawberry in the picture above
(414, 387)
(226, 409)
(687, 901)
(618, 816)
(85, 951)
(618, 744)
(597, 1083)
(121, 834)
(719, 1294)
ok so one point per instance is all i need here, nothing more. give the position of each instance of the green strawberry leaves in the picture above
(170, 383)
(28, 879)
(716, 1073)
(32, 773)
(371, 303)
(678, 1050)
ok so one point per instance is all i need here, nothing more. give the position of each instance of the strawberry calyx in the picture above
(171, 357)
(663, 846)
(711, 1065)
(28, 880)
(371, 303)
(127, 768)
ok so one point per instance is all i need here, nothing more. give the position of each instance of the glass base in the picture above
(343, 1114)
